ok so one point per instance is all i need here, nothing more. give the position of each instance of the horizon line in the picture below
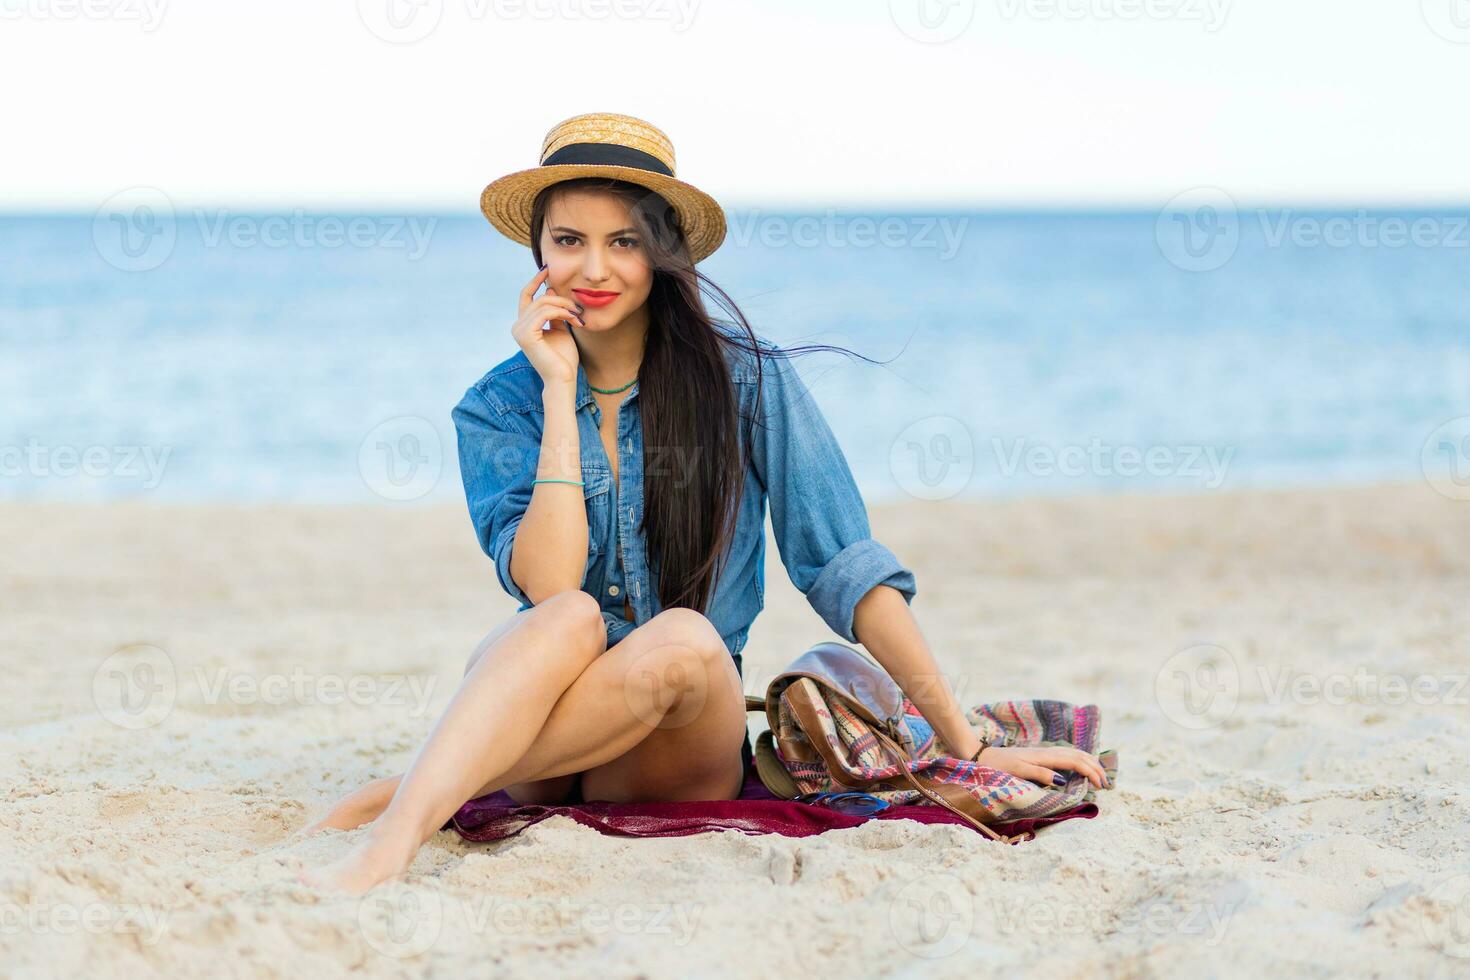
(856, 207)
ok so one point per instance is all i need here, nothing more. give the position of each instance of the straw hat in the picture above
(605, 144)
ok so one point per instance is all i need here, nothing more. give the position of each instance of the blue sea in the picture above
(184, 354)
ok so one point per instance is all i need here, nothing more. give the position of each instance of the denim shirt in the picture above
(793, 461)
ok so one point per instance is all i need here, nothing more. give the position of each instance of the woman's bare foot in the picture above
(361, 806)
(370, 863)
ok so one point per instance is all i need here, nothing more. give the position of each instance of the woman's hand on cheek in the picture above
(543, 331)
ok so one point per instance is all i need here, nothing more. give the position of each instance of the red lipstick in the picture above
(595, 297)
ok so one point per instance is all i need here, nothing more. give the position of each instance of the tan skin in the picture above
(544, 702)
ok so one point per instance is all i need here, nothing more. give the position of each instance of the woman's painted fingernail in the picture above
(1057, 780)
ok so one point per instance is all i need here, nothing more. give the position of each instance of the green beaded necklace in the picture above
(611, 391)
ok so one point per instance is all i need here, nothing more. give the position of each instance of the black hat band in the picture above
(607, 155)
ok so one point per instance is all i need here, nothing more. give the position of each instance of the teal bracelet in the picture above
(575, 483)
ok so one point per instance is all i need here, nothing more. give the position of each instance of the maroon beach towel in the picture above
(756, 811)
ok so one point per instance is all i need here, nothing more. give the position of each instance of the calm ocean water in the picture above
(178, 354)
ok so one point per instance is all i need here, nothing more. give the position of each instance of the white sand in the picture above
(1308, 829)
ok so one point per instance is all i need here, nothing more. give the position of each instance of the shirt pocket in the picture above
(597, 491)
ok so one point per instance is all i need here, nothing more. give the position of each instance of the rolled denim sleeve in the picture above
(497, 462)
(818, 515)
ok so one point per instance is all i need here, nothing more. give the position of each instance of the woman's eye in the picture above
(567, 241)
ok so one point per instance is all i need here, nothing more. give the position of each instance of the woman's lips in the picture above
(595, 297)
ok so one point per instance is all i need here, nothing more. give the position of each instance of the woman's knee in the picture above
(691, 631)
(571, 611)
(568, 623)
(688, 656)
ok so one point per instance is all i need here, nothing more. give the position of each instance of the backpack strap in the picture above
(937, 791)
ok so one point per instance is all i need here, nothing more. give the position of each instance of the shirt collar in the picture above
(584, 390)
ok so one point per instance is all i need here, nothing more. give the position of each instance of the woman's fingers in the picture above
(1095, 768)
(1041, 765)
(1043, 775)
(548, 308)
(529, 293)
(1087, 765)
(1078, 761)
(563, 309)
(574, 305)
(562, 302)
(535, 313)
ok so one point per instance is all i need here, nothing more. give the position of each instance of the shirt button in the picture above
(612, 590)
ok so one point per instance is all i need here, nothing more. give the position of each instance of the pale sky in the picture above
(1011, 103)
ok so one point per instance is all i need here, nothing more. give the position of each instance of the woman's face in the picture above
(592, 248)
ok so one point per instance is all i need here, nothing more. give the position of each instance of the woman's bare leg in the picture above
(492, 719)
(367, 803)
(673, 674)
(657, 768)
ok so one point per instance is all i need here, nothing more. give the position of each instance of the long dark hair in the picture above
(693, 456)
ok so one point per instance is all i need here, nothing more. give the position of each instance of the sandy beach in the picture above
(1283, 675)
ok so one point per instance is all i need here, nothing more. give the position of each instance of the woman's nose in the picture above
(594, 266)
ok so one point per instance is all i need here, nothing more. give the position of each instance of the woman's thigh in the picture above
(680, 678)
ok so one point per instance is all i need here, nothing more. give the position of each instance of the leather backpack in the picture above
(838, 722)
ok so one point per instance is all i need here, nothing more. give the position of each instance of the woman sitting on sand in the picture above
(617, 470)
